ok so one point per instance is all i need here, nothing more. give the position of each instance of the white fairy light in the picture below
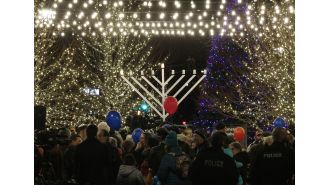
(85, 5)
(70, 5)
(148, 16)
(204, 14)
(135, 15)
(121, 15)
(162, 15)
(120, 3)
(94, 15)
(286, 20)
(107, 16)
(105, 2)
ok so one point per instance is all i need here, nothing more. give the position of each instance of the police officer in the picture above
(274, 165)
(212, 166)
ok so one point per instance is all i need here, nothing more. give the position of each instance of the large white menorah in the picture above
(163, 84)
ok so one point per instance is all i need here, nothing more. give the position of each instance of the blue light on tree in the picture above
(144, 107)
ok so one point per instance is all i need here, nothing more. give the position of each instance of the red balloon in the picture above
(239, 134)
(170, 105)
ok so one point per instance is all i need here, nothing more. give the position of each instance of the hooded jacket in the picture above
(129, 175)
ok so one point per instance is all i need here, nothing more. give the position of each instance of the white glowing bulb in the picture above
(85, 5)
(62, 34)
(225, 18)
(250, 7)
(218, 25)
(177, 4)
(135, 15)
(223, 1)
(149, 4)
(233, 12)
(193, 6)
(286, 20)
(239, 1)
(162, 66)
(60, 1)
(148, 16)
(83, 33)
(212, 23)
(120, 3)
(221, 7)
(199, 17)
(274, 19)
(291, 9)
(241, 34)
(115, 4)
(90, 1)
(241, 26)
(70, 5)
(162, 15)
(263, 7)
(158, 25)
(191, 14)
(145, 3)
(55, 5)
(218, 13)
(107, 16)
(204, 14)
(207, 6)
(105, 2)
(121, 15)
(94, 15)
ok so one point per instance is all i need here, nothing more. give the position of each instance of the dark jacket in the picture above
(91, 160)
(167, 172)
(274, 165)
(113, 164)
(200, 148)
(155, 156)
(129, 175)
(243, 157)
(213, 167)
(69, 162)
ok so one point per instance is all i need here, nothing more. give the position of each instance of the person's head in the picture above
(221, 127)
(188, 132)
(144, 139)
(162, 133)
(75, 140)
(218, 139)
(279, 135)
(113, 141)
(91, 131)
(128, 146)
(199, 137)
(103, 135)
(129, 159)
(258, 135)
(171, 140)
(81, 130)
(236, 147)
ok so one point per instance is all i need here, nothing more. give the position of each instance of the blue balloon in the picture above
(279, 123)
(136, 134)
(113, 119)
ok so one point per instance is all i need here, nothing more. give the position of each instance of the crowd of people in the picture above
(97, 155)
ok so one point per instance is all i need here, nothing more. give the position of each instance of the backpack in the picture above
(182, 165)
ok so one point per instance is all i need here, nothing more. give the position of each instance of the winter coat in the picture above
(155, 156)
(69, 161)
(213, 167)
(114, 162)
(200, 148)
(274, 165)
(129, 175)
(243, 157)
(91, 160)
(167, 173)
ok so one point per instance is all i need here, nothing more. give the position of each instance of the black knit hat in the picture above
(201, 133)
